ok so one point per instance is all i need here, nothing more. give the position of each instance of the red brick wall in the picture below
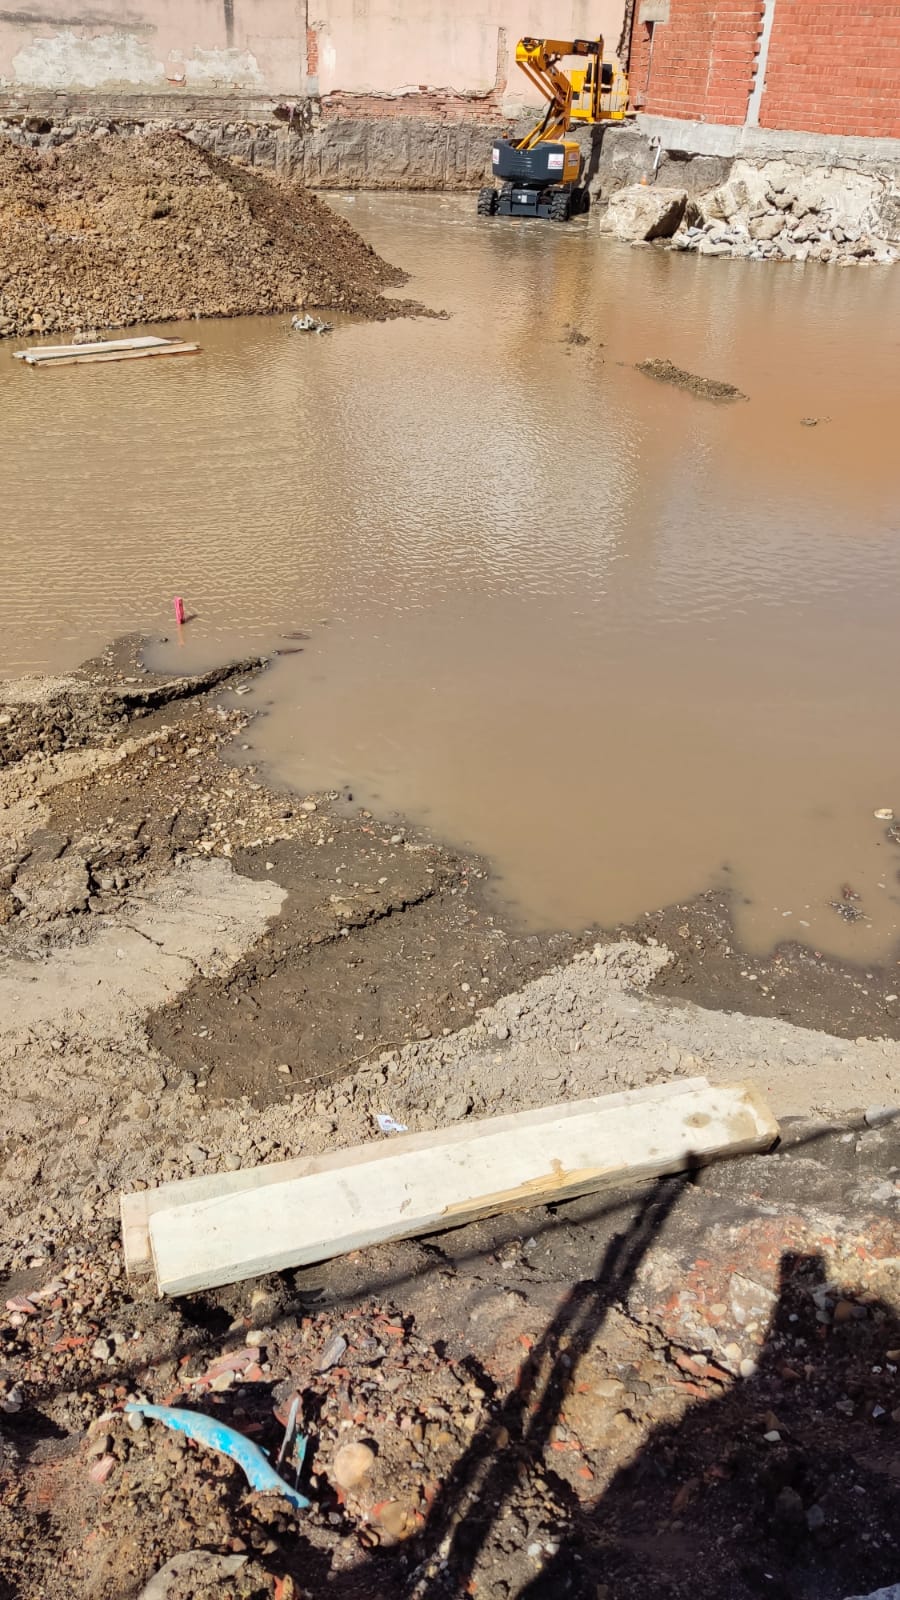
(834, 67)
(702, 63)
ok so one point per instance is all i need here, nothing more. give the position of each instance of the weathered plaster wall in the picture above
(374, 46)
(285, 49)
(218, 46)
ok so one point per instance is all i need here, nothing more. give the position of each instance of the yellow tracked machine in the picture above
(540, 174)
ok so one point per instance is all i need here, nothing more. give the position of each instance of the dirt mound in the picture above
(105, 233)
(707, 388)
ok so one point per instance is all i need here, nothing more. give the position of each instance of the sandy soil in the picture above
(198, 972)
(113, 231)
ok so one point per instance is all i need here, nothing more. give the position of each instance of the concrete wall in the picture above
(286, 49)
(818, 66)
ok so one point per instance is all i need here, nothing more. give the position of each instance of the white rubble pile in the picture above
(774, 211)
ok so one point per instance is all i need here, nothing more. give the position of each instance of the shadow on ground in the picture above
(785, 1487)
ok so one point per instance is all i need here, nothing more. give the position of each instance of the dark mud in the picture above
(795, 983)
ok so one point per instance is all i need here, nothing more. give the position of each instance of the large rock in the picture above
(767, 227)
(641, 213)
(729, 200)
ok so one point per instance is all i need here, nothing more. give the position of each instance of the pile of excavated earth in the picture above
(774, 211)
(110, 231)
(684, 1389)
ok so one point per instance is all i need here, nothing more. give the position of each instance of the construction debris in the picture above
(308, 324)
(291, 1214)
(68, 355)
(208, 1431)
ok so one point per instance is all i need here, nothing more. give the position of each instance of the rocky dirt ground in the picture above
(109, 231)
(690, 1389)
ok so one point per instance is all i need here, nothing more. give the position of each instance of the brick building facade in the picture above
(820, 66)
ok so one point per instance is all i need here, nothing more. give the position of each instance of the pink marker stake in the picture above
(178, 605)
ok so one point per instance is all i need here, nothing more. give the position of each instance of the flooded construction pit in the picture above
(627, 642)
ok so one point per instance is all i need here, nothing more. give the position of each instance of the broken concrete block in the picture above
(642, 214)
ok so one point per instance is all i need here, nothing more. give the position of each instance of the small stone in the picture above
(136, 1421)
(13, 1400)
(772, 1437)
(732, 1352)
(308, 805)
(285, 1069)
(789, 1507)
(609, 1388)
(846, 1311)
(351, 1465)
(222, 1381)
(331, 1355)
(747, 1368)
(101, 1350)
(815, 1518)
(395, 1519)
(101, 1469)
(457, 1107)
(877, 1116)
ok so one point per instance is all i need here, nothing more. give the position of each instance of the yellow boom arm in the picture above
(587, 94)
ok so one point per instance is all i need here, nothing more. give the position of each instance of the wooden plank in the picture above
(175, 349)
(446, 1180)
(137, 1208)
(52, 352)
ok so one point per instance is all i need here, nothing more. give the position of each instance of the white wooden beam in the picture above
(423, 1183)
(139, 1206)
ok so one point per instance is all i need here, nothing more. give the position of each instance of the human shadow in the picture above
(487, 1475)
(785, 1487)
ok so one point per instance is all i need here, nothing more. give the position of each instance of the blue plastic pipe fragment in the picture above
(215, 1435)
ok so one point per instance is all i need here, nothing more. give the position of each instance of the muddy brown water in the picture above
(626, 642)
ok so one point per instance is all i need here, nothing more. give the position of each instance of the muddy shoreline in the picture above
(198, 972)
(274, 945)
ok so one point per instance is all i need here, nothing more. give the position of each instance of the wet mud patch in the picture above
(794, 982)
(706, 388)
(381, 939)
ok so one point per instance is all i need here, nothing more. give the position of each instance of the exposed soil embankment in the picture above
(114, 231)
